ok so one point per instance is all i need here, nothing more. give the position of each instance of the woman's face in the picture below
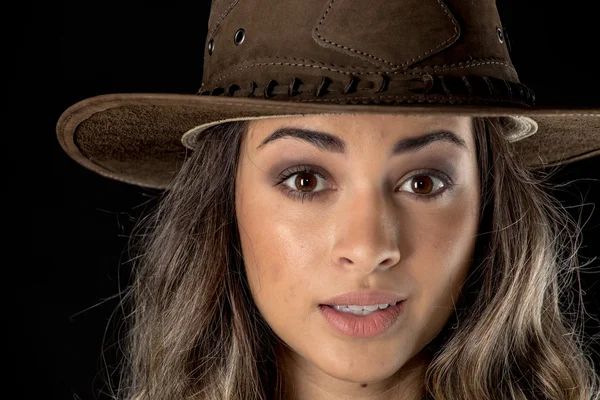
(373, 224)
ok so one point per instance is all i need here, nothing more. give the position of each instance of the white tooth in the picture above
(355, 308)
(362, 313)
(382, 306)
(358, 310)
(393, 304)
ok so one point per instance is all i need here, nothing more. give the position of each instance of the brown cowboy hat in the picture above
(272, 58)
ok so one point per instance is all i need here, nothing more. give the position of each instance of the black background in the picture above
(71, 225)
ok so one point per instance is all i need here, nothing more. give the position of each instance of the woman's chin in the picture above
(359, 374)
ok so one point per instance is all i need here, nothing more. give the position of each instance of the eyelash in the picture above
(299, 195)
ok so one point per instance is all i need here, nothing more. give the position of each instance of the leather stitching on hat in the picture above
(418, 98)
(460, 65)
(222, 17)
(422, 87)
(339, 68)
(426, 70)
(380, 59)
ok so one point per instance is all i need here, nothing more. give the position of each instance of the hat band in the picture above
(398, 89)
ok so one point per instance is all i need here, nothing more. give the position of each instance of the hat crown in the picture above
(265, 40)
(328, 57)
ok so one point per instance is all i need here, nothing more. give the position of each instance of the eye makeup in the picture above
(436, 167)
(447, 183)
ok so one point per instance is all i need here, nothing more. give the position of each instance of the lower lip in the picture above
(367, 326)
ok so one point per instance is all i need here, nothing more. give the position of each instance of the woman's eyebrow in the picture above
(327, 142)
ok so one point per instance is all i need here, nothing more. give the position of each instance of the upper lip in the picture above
(365, 298)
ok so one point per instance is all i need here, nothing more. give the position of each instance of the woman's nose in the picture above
(366, 236)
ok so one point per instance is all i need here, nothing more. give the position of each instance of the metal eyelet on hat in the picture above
(239, 37)
(500, 35)
(211, 46)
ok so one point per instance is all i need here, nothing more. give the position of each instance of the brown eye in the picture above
(305, 182)
(421, 184)
(424, 185)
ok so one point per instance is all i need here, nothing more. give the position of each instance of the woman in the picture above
(290, 220)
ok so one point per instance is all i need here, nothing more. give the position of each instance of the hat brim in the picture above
(137, 138)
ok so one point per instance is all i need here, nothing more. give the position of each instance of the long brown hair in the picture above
(194, 331)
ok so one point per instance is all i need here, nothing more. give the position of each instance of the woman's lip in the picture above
(365, 298)
(368, 326)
